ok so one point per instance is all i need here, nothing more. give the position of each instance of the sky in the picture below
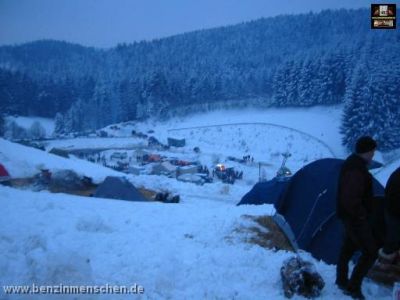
(105, 23)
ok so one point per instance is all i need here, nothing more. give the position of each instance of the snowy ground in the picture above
(188, 250)
(95, 143)
(320, 122)
(182, 251)
(308, 134)
(22, 161)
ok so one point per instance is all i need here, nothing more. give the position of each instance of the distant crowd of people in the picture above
(248, 158)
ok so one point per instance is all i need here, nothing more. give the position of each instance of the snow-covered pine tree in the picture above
(155, 93)
(59, 124)
(292, 83)
(305, 90)
(127, 100)
(280, 93)
(2, 123)
(15, 132)
(356, 119)
(37, 131)
(384, 109)
(102, 105)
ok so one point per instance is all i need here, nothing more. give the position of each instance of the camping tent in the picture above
(59, 152)
(308, 205)
(176, 142)
(164, 168)
(4, 175)
(118, 188)
(270, 192)
(187, 170)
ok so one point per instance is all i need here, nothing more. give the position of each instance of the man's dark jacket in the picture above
(392, 193)
(355, 191)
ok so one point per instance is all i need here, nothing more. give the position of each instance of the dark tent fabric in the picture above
(176, 142)
(308, 204)
(3, 172)
(118, 188)
(59, 152)
(270, 192)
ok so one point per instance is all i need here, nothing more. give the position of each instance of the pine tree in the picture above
(356, 117)
(37, 131)
(2, 124)
(15, 132)
(279, 87)
(59, 124)
(304, 87)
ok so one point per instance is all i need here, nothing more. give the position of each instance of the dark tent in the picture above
(118, 188)
(270, 192)
(308, 205)
(172, 142)
(59, 152)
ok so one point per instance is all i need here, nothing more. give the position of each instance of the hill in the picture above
(293, 60)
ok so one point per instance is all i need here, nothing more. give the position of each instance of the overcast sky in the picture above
(105, 23)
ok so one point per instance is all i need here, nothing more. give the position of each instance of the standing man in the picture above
(354, 208)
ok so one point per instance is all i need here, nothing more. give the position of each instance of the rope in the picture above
(310, 214)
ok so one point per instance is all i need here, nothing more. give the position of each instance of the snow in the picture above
(26, 123)
(95, 143)
(190, 250)
(22, 161)
(321, 122)
(175, 251)
(384, 174)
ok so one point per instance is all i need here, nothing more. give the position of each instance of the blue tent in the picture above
(270, 192)
(308, 205)
(118, 188)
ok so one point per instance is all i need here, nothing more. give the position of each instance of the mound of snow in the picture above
(22, 161)
(96, 143)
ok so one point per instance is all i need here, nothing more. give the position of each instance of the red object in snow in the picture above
(3, 172)
(154, 158)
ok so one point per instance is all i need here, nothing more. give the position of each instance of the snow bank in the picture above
(22, 161)
(96, 143)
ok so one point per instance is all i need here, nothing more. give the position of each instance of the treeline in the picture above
(302, 60)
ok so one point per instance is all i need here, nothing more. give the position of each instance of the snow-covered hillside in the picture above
(22, 161)
(321, 122)
(190, 250)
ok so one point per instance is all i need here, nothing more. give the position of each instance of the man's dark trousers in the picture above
(358, 236)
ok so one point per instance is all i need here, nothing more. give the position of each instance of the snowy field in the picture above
(319, 122)
(190, 250)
